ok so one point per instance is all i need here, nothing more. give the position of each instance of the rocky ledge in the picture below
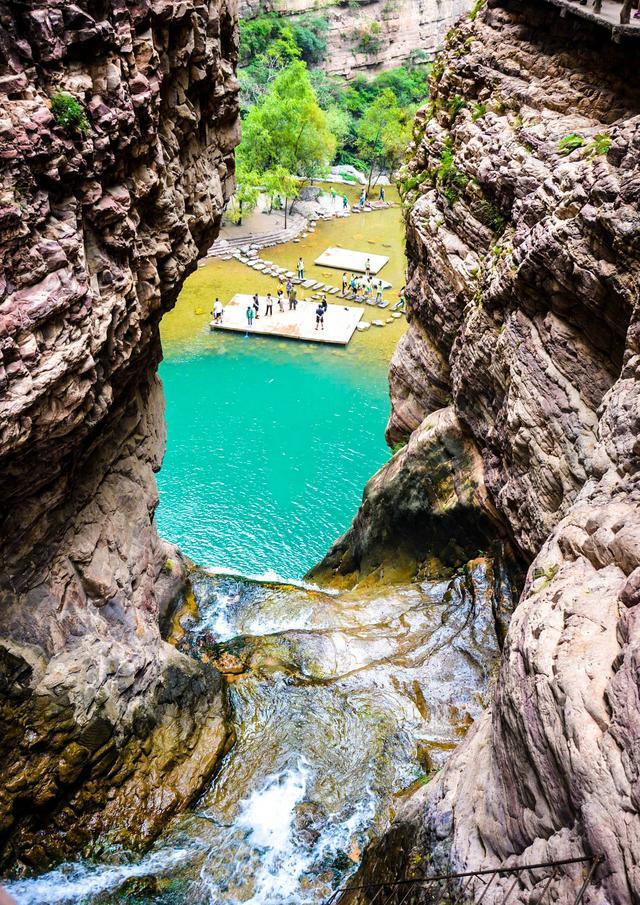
(117, 127)
(524, 249)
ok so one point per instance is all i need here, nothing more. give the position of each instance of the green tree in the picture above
(247, 193)
(382, 133)
(280, 182)
(287, 128)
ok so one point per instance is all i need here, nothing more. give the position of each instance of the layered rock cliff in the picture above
(524, 246)
(371, 35)
(105, 208)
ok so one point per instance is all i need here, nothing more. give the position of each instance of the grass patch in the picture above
(69, 113)
(478, 111)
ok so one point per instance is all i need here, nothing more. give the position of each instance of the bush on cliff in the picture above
(69, 113)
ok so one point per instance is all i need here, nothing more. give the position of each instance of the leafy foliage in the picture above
(570, 143)
(492, 216)
(288, 129)
(69, 113)
(448, 177)
(600, 144)
(383, 133)
(478, 110)
(455, 105)
(276, 36)
(367, 39)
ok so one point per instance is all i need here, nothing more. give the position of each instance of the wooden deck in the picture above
(340, 321)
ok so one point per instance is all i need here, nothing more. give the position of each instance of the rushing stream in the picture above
(340, 702)
(343, 703)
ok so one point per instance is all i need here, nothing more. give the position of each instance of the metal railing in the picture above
(473, 886)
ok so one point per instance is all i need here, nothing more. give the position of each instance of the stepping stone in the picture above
(383, 304)
(389, 320)
(259, 266)
(333, 290)
(363, 325)
(289, 273)
(396, 315)
(317, 286)
(308, 284)
(296, 241)
(378, 323)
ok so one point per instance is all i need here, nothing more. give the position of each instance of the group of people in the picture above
(366, 285)
(253, 309)
(364, 197)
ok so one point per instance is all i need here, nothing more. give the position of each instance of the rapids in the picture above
(341, 703)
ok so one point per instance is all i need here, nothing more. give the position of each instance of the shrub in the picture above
(69, 113)
(492, 217)
(309, 33)
(570, 143)
(368, 39)
(455, 105)
(599, 144)
(478, 110)
(475, 9)
(449, 178)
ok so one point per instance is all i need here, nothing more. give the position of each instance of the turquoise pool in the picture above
(269, 447)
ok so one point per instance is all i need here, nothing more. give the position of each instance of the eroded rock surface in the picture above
(104, 726)
(371, 35)
(524, 247)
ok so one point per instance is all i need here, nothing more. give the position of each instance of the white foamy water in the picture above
(75, 881)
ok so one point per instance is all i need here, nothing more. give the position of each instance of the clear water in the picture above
(344, 701)
(269, 447)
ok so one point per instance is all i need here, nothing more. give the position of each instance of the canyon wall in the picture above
(524, 246)
(104, 209)
(371, 35)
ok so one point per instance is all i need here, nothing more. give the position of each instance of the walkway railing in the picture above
(473, 886)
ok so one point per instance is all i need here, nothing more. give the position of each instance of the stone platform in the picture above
(340, 321)
(352, 261)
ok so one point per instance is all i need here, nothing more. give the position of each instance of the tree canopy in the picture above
(383, 133)
(287, 128)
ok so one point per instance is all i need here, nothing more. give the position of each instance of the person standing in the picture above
(344, 284)
(280, 298)
(249, 316)
(217, 311)
(256, 305)
(379, 292)
(381, 193)
(320, 316)
(333, 196)
(293, 299)
(368, 267)
(269, 309)
(345, 202)
(300, 269)
(289, 286)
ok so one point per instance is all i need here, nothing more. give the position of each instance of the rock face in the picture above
(371, 35)
(102, 215)
(524, 247)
